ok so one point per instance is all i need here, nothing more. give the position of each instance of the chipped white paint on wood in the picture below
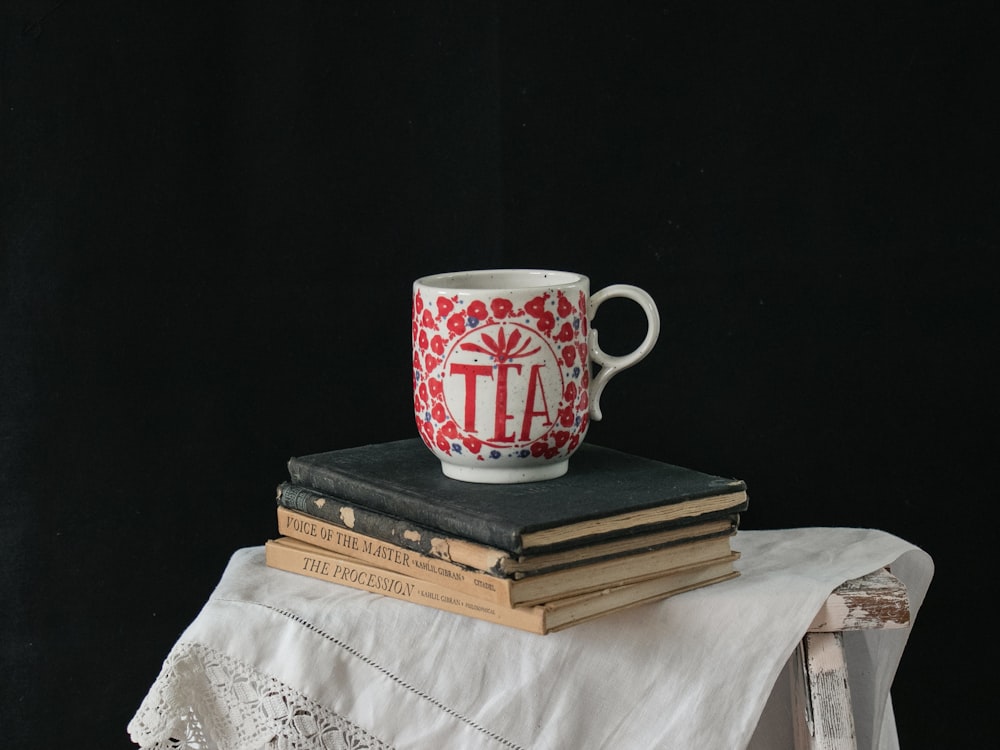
(821, 695)
(824, 718)
(877, 600)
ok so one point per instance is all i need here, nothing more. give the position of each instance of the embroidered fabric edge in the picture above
(206, 700)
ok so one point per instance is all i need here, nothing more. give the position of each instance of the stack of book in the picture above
(616, 531)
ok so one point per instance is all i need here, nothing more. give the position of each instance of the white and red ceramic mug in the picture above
(502, 384)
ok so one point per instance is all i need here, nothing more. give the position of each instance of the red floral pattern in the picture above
(444, 325)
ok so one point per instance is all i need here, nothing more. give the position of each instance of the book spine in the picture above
(397, 502)
(390, 529)
(324, 565)
(390, 556)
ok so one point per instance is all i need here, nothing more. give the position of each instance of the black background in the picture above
(212, 215)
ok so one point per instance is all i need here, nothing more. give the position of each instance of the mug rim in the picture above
(478, 280)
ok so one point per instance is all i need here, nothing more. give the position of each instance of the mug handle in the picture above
(612, 365)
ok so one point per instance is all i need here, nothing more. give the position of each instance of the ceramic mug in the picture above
(502, 384)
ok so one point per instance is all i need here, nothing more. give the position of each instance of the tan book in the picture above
(299, 557)
(509, 592)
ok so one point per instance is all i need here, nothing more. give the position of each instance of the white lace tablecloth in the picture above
(278, 660)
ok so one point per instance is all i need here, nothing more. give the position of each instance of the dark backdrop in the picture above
(212, 216)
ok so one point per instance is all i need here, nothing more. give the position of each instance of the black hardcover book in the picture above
(431, 542)
(606, 493)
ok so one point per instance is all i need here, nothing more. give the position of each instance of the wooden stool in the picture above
(821, 694)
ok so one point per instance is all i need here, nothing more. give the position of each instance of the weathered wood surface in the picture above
(821, 695)
(877, 600)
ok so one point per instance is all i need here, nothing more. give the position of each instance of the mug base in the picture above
(505, 474)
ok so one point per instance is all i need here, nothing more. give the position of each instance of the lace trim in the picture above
(237, 707)
(395, 678)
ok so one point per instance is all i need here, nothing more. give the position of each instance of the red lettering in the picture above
(534, 388)
(470, 373)
(501, 416)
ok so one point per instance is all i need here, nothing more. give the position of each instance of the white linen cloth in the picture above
(276, 659)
